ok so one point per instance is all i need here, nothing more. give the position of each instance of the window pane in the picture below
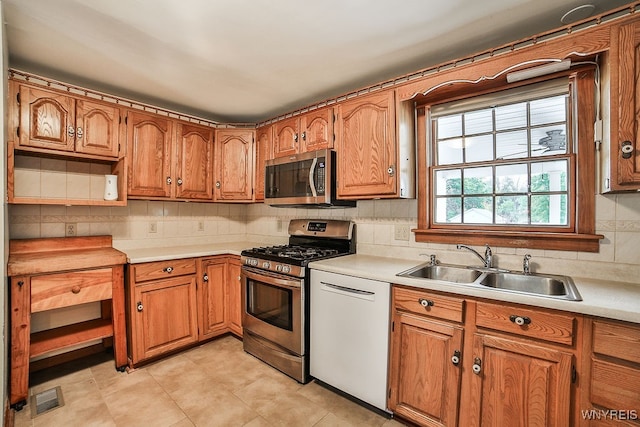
(549, 176)
(450, 151)
(512, 210)
(478, 210)
(449, 126)
(512, 179)
(478, 148)
(478, 180)
(548, 110)
(511, 116)
(511, 145)
(448, 182)
(480, 121)
(448, 210)
(548, 140)
(549, 209)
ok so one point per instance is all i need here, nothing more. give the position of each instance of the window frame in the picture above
(580, 234)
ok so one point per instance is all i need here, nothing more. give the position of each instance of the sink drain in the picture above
(46, 401)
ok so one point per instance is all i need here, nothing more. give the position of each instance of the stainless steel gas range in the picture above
(275, 292)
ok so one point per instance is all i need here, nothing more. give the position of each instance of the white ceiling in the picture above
(250, 60)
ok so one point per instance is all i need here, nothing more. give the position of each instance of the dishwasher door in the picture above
(349, 331)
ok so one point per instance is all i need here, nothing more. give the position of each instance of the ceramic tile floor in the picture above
(216, 384)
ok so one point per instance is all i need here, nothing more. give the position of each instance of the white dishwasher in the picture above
(349, 335)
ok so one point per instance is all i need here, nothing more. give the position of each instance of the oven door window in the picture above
(271, 304)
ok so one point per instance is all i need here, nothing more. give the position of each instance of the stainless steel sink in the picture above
(447, 273)
(533, 284)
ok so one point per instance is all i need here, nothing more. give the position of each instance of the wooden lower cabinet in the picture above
(611, 366)
(425, 381)
(163, 317)
(463, 361)
(234, 296)
(177, 303)
(515, 383)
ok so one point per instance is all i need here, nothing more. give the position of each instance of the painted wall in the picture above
(618, 219)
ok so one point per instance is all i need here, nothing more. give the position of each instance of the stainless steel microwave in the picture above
(303, 180)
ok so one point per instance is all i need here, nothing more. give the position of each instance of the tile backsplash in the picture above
(179, 223)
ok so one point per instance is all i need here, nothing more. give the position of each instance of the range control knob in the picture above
(266, 265)
(279, 267)
(286, 269)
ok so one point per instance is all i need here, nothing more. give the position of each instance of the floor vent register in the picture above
(45, 401)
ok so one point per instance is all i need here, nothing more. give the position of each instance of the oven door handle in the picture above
(267, 278)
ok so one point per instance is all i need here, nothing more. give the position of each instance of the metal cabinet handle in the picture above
(139, 306)
(76, 289)
(217, 184)
(205, 278)
(391, 170)
(627, 149)
(168, 180)
(21, 283)
(167, 269)
(295, 137)
(179, 181)
(520, 320)
(304, 136)
(477, 366)
(79, 132)
(426, 302)
(71, 131)
(455, 359)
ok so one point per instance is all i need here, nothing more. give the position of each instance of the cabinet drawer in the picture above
(616, 340)
(66, 289)
(428, 303)
(614, 386)
(163, 269)
(537, 323)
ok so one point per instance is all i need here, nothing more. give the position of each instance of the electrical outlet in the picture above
(70, 229)
(279, 225)
(200, 225)
(153, 227)
(401, 232)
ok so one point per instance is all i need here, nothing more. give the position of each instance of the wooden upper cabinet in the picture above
(149, 141)
(316, 130)
(194, 165)
(366, 147)
(97, 128)
(625, 116)
(307, 132)
(47, 119)
(234, 165)
(264, 151)
(54, 121)
(286, 136)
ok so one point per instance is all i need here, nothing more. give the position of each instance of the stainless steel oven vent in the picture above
(46, 401)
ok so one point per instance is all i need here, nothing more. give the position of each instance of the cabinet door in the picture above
(234, 164)
(366, 146)
(518, 384)
(286, 137)
(194, 168)
(234, 296)
(97, 128)
(211, 297)
(164, 316)
(423, 378)
(264, 145)
(149, 142)
(47, 119)
(625, 116)
(316, 130)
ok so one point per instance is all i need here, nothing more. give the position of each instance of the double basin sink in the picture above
(553, 286)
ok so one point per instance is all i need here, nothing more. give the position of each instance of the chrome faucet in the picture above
(486, 260)
(526, 267)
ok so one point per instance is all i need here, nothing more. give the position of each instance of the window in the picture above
(503, 167)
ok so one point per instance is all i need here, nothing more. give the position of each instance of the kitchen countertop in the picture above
(164, 253)
(613, 300)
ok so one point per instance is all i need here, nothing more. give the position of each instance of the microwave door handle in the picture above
(312, 172)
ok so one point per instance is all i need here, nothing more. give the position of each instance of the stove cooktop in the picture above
(291, 254)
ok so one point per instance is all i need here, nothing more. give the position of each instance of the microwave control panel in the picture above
(321, 176)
